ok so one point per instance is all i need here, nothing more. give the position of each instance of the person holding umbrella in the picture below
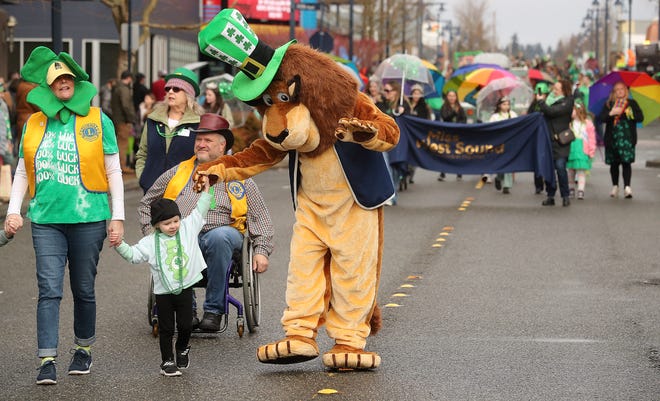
(452, 112)
(503, 181)
(395, 105)
(621, 115)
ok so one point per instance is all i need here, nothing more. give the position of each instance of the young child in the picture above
(583, 149)
(176, 265)
(5, 238)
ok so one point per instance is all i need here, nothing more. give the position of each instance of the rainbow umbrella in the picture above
(466, 69)
(644, 89)
(467, 84)
(484, 76)
(458, 77)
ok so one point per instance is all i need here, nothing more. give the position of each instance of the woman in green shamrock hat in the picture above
(167, 138)
(68, 161)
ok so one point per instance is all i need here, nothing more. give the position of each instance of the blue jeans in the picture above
(55, 244)
(562, 179)
(217, 246)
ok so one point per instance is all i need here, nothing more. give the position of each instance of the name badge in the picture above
(184, 132)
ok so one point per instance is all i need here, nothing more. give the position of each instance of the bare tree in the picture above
(119, 9)
(476, 32)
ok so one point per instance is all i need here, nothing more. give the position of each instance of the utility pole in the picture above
(56, 25)
(606, 64)
(128, 29)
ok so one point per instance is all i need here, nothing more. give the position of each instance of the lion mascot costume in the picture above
(334, 136)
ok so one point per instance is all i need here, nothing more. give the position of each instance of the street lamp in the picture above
(441, 9)
(11, 25)
(606, 38)
(619, 4)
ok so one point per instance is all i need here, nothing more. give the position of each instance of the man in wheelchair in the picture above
(233, 204)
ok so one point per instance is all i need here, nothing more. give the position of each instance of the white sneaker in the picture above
(615, 192)
(627, 192)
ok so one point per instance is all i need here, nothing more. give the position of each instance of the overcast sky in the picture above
(547, 21)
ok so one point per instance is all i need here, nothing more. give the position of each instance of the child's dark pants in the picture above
(170, 305)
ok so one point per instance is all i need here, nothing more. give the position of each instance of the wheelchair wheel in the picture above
(152, 313)
(251, 294)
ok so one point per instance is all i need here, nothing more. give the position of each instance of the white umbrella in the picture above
(517, 90)
(493, 58)
(408, 69)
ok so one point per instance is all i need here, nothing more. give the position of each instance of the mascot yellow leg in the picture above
(344, 298)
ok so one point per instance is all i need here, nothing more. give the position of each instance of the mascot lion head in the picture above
(308, 95)
(300, 92)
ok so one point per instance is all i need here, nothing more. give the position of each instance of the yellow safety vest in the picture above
(89, 143)
(235, 191)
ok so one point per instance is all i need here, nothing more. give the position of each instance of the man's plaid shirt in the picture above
(259, 223)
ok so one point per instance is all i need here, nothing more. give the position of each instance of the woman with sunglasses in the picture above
(167, 139)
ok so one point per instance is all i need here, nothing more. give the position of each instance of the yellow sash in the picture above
(180, 179)
(235, 191)
(89, 143)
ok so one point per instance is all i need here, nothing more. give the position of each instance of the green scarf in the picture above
(552, 98)
(35, 70)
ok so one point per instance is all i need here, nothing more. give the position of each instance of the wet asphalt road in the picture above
(519, 302)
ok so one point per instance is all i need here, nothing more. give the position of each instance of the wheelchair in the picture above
(240, 275)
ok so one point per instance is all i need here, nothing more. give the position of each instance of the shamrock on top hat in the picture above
(229, 38)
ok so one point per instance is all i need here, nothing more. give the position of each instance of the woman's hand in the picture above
(616, 110)
(116, 232)
(13, 223)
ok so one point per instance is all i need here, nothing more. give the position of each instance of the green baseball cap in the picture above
(187, 75)
(229, 38)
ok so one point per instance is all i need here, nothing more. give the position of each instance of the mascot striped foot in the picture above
(294, 349)
(345, 357)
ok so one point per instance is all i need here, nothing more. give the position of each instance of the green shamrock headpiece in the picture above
(44, 63)
(229, 38)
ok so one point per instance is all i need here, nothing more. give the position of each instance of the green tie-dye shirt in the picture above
(60, 196)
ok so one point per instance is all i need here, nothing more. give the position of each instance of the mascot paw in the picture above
(294, 349)
(346, 357)
(200, 177)
(355, 130)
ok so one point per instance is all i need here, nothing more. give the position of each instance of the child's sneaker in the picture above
(168, 368)
(80, 363)
(182, 360)
(47, 374)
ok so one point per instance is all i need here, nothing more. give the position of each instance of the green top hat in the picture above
(186, 75)
(229, 38)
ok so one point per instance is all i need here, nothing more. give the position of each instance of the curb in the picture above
(653, 163)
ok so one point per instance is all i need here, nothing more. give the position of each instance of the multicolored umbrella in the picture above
(472, 81)
(484, 76)
(466, 69)
(644, 89)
